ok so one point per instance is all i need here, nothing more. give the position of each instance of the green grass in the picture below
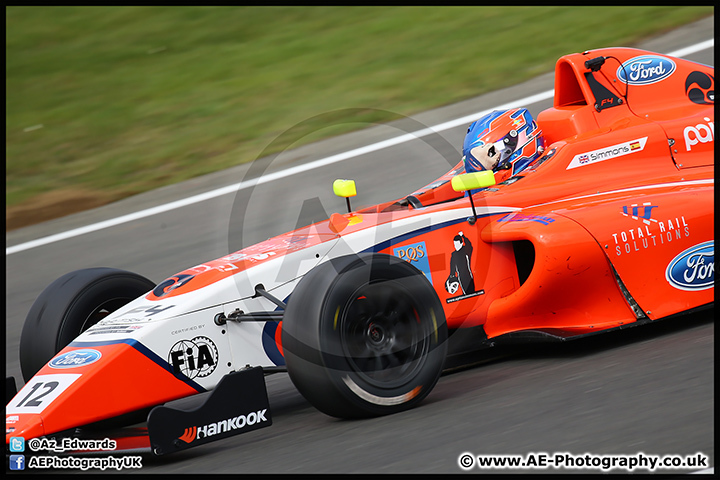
(133, 98)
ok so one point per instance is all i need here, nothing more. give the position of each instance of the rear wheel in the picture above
(69, 306)
(364, 336)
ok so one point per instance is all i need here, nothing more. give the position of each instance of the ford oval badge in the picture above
(645, 69)
(693, 269)
(76, 358)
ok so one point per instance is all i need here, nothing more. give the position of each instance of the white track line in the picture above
(307, 166)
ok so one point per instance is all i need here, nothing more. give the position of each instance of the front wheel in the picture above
(364, 335)
(69, 306)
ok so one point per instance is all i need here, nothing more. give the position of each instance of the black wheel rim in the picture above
(382, 335)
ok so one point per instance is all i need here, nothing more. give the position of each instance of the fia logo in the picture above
(194, 358)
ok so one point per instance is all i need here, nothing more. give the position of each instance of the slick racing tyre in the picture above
(69, 306)
(364, 335)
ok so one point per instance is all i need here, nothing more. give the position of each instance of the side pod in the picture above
(571, 289)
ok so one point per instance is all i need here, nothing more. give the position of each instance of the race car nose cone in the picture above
(23, 425)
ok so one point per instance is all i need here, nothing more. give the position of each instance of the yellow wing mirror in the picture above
(473, 181)
(345, 188)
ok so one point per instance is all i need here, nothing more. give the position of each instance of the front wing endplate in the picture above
(238, 404)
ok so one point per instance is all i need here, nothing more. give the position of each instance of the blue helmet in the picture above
(501, 140)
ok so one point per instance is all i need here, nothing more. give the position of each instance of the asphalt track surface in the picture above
(647, 389)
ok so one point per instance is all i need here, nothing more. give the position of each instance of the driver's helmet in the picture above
(503, 139)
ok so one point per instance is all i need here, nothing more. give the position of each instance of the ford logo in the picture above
(645, 69)
(693, 269)
(76, 358)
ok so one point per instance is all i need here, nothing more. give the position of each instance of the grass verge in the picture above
(107, 102)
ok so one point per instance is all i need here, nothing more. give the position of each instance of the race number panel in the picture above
(40, 392)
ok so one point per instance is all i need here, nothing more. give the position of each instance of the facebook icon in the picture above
(17, 462)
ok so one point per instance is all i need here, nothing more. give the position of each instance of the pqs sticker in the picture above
(417, 255)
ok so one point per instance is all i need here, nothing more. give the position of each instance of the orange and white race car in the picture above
(610, 227)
